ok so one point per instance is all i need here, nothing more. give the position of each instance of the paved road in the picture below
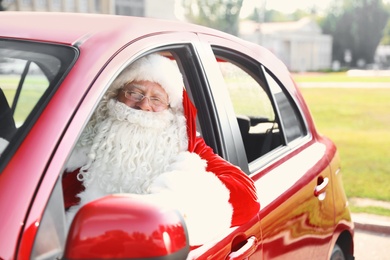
(371, 246)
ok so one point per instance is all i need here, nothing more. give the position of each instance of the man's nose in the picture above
(144, 104)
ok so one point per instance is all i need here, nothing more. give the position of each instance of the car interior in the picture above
(260, 142)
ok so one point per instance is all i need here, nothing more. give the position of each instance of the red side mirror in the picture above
(120, 227)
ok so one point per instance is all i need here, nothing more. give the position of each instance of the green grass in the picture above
(371, 210)
(33, 88)
(358, 121)
(337, 77)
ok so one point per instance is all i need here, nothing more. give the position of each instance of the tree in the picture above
(386, 32)
(1, 6)
(357, 28)
(386, 35)
(218, 14)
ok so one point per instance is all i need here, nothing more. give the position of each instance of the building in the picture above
(300, 45)
(382, 57)
(149, 8)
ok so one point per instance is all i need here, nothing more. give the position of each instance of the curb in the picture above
(371, 223)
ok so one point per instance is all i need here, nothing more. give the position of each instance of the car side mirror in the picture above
(121, 227)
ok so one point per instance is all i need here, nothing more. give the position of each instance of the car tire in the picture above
(337, 253)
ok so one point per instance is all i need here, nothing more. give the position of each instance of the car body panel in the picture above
(274, 199)
(292, 217)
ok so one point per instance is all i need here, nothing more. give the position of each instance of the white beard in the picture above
(137, 152)
(130, 148)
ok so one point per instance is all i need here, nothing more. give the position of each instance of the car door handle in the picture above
(321, 187)
(245, 251)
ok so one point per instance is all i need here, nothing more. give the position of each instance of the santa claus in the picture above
(142, 140)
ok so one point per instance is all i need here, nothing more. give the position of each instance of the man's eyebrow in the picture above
(159, 94)
(140, 87)
(132, 86)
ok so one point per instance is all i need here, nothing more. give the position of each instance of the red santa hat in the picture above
(158, 69)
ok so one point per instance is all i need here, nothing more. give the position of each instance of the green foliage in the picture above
(386, 35)
(218, 14)
(356, 25)
(276, 16)
(339, 77)
(386, 32)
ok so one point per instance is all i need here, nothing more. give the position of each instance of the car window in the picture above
(34, 85)
(265, 113)
(290, 117)
(252, 105)
(29, 72)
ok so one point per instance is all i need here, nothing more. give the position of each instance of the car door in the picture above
(282, 152)
(44, 232)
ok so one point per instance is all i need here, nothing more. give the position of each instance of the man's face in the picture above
(144, 95)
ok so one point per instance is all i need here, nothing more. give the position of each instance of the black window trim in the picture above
(294, 104)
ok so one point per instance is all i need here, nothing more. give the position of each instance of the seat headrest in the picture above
(244, 122)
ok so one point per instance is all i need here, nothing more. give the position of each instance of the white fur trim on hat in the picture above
(158, 69)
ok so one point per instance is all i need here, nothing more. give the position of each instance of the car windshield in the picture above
(29, 75)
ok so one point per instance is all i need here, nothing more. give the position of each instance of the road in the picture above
(371, 246)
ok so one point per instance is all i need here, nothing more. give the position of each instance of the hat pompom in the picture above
(158, 69)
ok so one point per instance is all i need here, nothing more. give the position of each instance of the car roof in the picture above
(76, 28)
(112, 32)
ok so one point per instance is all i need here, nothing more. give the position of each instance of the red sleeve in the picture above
(71, 186)
(243, 195)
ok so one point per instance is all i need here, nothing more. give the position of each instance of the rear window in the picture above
(29, 75)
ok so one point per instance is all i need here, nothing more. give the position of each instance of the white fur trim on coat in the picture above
(199, 195)
(78, 158)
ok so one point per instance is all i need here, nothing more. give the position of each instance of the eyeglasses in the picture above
(154, 102)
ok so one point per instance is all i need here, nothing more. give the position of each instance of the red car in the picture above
(54, 68)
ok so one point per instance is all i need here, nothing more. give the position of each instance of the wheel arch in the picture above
(345, 241)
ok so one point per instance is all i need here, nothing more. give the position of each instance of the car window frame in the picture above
(255, 167)
(252, 67)
(197, 87)
(294, 105)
